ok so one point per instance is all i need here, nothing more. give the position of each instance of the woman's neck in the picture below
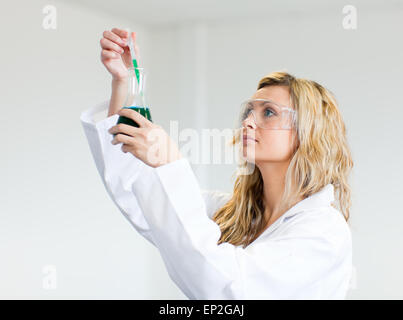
(273, 175)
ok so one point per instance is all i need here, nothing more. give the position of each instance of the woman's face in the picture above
(271, 145)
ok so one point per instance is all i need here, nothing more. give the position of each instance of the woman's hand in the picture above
(115, 54)
(149, 143)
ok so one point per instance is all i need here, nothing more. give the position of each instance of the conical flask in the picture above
(135, 98)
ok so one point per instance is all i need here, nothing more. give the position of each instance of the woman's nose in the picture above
(249, 122)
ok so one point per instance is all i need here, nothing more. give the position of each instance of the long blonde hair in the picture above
(322, 156)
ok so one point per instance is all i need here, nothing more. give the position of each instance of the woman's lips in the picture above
(246, 138)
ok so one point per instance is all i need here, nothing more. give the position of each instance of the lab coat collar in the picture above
(321, 198)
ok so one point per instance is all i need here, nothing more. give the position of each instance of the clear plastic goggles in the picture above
(267, 114)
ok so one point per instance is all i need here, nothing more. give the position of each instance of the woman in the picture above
(281, 233)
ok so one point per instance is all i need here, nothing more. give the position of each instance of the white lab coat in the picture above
(304, 254)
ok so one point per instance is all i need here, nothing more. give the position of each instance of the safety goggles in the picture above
(267, 114)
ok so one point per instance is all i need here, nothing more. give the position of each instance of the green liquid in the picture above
(136, 70)
(144, 111)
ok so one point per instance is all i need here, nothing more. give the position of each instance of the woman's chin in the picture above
(248, 156)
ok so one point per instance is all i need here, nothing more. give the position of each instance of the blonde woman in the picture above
(283, 232)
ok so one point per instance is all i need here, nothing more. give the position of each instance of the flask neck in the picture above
(136, 87)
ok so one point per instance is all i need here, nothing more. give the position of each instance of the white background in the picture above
(203, 58)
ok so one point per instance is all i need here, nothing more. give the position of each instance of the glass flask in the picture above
(135, 98)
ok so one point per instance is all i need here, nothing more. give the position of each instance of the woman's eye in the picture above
(268, 112)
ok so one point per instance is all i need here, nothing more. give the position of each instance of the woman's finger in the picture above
(108, 54)
(121, 33)
(125, 129)
(125, 148)
(109, 45)
(142, 121)
(122, 138)
(114, 38)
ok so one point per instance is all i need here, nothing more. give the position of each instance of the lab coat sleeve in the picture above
(118, 170)
(187, 240)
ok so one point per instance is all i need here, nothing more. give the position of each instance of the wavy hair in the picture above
(321, 156)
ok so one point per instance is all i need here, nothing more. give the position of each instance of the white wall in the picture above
(54, 209)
